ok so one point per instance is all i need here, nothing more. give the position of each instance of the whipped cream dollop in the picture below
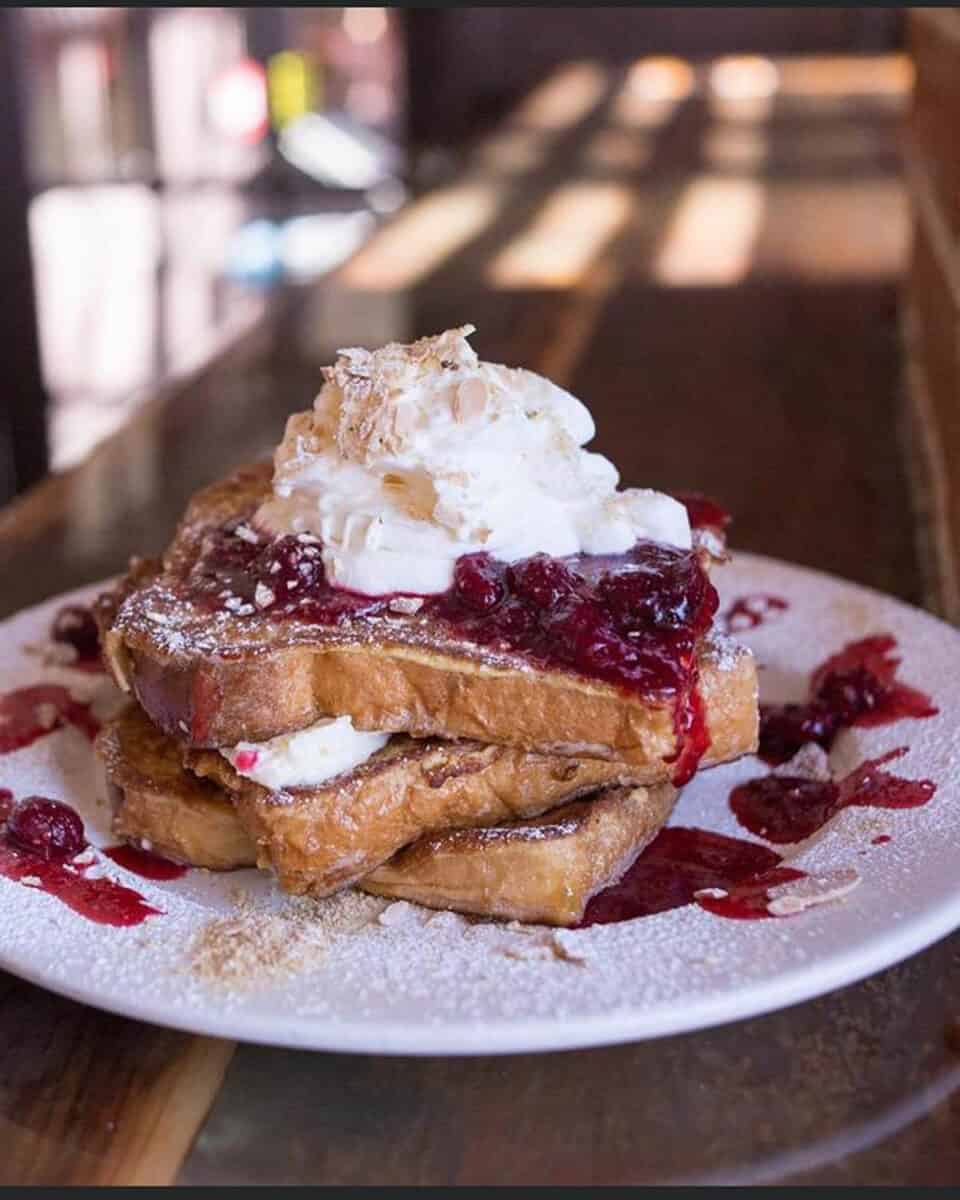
(309, 756)
(416, 454)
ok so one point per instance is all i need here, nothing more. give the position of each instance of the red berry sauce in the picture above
(29, 713)
(857, 686)
(632, 620)
(246, 760)
(145, 863)
(46, 828)
(74, 626)
(40, 840)
(784, 808)
(748, 612)
(680, 862)
(702, 512)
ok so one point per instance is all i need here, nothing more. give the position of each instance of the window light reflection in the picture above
(847, 75)
(652, 90)
(559, 246)
(563, 99)
(710, 239)
(743, 87)
(422, 237)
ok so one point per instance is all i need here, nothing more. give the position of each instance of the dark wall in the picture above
(23, 443)
(467, 65)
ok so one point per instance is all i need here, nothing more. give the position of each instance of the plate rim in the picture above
(481, 1037)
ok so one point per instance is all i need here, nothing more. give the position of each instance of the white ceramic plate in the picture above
(374, 978)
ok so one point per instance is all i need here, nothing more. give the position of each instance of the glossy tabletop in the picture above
(751, 354)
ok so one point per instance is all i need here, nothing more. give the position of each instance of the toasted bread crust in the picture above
(217, 679)
(320, 839)
(155, 801)
(543, 870)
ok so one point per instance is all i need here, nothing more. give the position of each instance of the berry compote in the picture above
(145, 863)
(632, 620)
(857, 686)
(29, 713)
(75, 627)
(786, 808)
(42, 843)
(680, 865)
(749, 612)
(702, 512)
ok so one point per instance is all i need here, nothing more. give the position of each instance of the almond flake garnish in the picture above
(263, 596)
(372, 383)
(470, 400)
(786, 899)
(408, 605)
(246, 534)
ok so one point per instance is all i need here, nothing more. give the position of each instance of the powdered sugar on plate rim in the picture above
(371, 977)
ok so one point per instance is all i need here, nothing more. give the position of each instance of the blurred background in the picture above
(717, 201)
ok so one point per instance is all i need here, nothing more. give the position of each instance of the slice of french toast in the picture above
(220, 675)
(321, 838)
(543, 870)
(539, 869)
(162, 807)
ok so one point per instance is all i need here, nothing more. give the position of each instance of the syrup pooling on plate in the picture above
(145, 863)
(855, 687)
(29, 713)
(42, 843)
(785, 808)
(749, 612)
(632, 620)
(679, 863)
(749, 899)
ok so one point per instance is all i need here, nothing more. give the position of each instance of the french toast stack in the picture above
(504, 747)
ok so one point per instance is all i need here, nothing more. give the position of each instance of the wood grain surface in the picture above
(779, 392)
(86, 1097)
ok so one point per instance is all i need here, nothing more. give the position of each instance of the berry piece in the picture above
(50, 830)
(478, 582)
(74, 626)
(542, 580)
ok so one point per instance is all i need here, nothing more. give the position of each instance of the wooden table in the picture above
(779, 393)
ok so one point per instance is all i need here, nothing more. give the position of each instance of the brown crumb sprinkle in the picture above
(248, 947)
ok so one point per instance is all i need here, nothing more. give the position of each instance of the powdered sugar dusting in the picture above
(366, 974)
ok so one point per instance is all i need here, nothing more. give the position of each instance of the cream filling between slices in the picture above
(308, 757)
